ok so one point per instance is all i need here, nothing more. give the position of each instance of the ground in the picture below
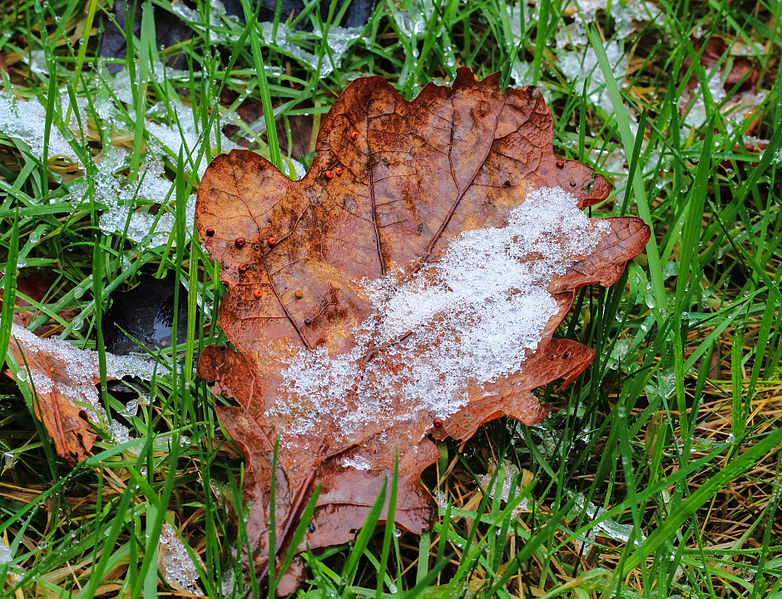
(658, 472)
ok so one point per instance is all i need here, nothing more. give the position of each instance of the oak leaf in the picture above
(62, 380)
(406, 289)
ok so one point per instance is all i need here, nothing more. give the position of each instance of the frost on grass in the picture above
(470, 318)
(175, 562)
(25, 120)
(76, 379)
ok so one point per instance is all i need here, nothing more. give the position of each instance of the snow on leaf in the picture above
(406, 289)
(62, 380)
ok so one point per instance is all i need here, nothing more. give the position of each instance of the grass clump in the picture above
(660, 474)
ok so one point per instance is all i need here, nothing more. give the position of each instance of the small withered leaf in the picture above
(410, 298)
(62, 380)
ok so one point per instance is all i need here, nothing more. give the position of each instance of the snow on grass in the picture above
(582, 68)
(175, 562)
(607, 527)
(627, 18)
(6, 555)
(508, 473)
(471, 317)
(338, 41)
(25, 121)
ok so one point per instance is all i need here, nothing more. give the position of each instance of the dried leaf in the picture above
(62, 379)
(406, 289)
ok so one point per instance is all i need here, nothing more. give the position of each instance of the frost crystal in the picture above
(472, 317)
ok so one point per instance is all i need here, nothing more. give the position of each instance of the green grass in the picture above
(660, 474)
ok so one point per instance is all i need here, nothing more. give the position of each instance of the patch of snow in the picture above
(472, 317)
(175, 562)
(697, 113)
(25, 120)
(441, 499)
(607, 527)
(37, 62)
(412, 22)
(509, 473)
(357, 462)
(9, 459)
(584, 12)
(582, 67)
(338, 41)
(629, 16)
(194, 17)
(131, 409)
(521, 73)
(120, 197)
(6, 555)
(122, 86)
(119, 432)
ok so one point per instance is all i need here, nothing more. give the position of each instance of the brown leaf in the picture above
(405, 289)
(62, 380)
